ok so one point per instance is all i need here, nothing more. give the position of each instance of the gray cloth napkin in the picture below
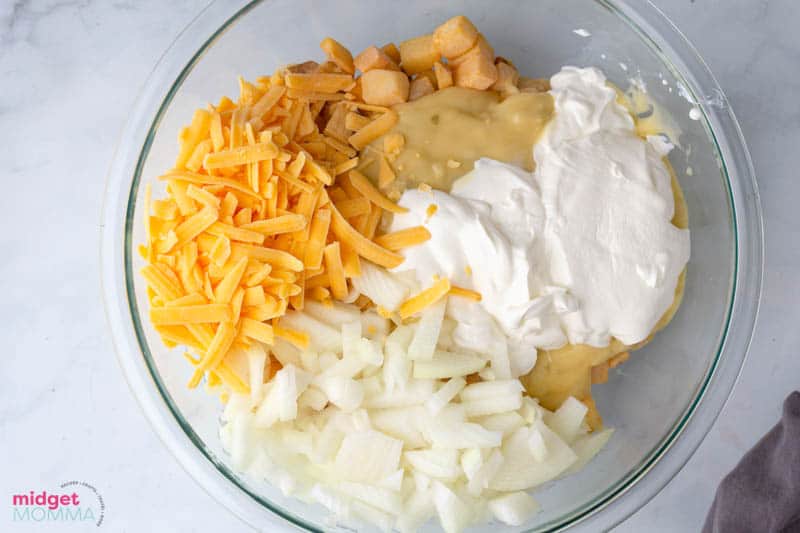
(762, 494)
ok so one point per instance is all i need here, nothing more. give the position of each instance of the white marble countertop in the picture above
(68, 72)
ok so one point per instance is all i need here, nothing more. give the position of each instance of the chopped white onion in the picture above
(446, 392)
(360, 423)
(514, 508)
(447, 365)
(380, 286)
(426, 334)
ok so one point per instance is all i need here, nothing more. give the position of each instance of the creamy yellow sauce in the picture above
(446, 132)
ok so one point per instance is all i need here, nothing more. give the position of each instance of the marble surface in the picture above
(68, 72)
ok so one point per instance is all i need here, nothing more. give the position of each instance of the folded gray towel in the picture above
(762, 494)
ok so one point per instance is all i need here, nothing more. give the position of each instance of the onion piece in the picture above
(446, 392)
(380, 286)
(322, 336)
(514, 508)
(447, 365)
(521, 471)
(426, 335)
(567, 420)
(368, 457)
(436, 463)
(401, 423)
(587, 446)
(454, 514)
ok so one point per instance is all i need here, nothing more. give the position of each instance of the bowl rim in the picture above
(662, 464)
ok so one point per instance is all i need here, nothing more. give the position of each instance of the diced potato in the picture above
(308, 67)
(329, 67)
(335, 126)
(481, 48)
(478, 72)
(501, 59)
(384, 87)
(418, 54)
(373, 58)
(507, 78)
(428, 74)
(391, 50)
(444, 78)
(420, 87)
(455, 36)
(533, 85)
(338, 54)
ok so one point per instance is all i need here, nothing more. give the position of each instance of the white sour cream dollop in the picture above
(579, 251)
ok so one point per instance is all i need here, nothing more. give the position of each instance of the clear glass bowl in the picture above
(662, 402)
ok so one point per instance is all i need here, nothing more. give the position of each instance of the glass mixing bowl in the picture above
(662, 402)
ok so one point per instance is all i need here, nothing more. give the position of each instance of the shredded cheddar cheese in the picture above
(425, 299)
(404, 238)
(190, 314)
(265, 207)
(366, 188)
(363, 246)
(465, 293)
(335, 269)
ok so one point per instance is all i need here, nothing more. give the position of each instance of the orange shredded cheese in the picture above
(425, 299)
(335, 269)
(404, 238)
(280, 224)
(190, 314)
(465, 293)
(362, 184)
(364, 247)
(374, 129)
(316, 238)
(353, 207)
(252, 222)
(257, 330)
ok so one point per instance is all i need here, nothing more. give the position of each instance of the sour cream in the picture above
(579, 251)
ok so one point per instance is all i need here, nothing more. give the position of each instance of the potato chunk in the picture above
(533, 85)
(420, 87)
(309, 67)
(478, 72)
(390, 49)
(374, 58)
(507, 78)
(427, 74)
(338, 54)
(455, 36)
(384, 87)
(330, 67)
(481, 47)
(444, 78)
(418, 54)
